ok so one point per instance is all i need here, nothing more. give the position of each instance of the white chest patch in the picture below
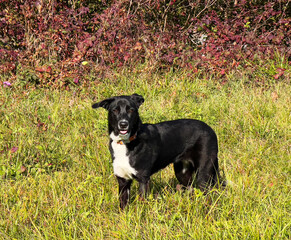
(121, 166)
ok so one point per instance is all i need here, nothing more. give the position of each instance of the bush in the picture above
(63, 40)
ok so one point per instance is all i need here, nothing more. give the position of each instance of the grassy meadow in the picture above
(56, 174)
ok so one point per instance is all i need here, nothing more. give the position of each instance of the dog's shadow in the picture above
(159, 187)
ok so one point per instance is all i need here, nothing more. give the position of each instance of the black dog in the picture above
(139, 150)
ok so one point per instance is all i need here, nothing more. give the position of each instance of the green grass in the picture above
(57, 180)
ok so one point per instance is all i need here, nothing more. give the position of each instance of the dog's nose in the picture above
(123, 124)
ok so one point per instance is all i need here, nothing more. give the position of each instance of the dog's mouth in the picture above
(123, 132)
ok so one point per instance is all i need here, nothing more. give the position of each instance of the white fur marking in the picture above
(186, 164)
(121, 166)
(128, 194)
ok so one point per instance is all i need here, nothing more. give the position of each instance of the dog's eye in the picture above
(131, 110)
(116, 111)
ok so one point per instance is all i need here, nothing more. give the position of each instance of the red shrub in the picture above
(53, 38)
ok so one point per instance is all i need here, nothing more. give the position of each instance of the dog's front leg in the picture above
(144, 188)
(124, 190)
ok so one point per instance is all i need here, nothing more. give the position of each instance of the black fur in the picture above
(191, 145)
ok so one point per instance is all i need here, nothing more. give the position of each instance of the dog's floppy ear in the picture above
(138, 99)
(105, 103)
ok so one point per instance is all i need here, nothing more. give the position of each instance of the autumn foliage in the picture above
(49, 41)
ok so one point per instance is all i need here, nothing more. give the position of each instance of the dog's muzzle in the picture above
(123, 127)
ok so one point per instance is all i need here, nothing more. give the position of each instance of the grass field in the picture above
(56, 174)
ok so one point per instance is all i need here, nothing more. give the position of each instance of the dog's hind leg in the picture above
(207, 175)
(124, 190)
(184, 170)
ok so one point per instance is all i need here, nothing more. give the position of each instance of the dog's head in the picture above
(123, 118)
